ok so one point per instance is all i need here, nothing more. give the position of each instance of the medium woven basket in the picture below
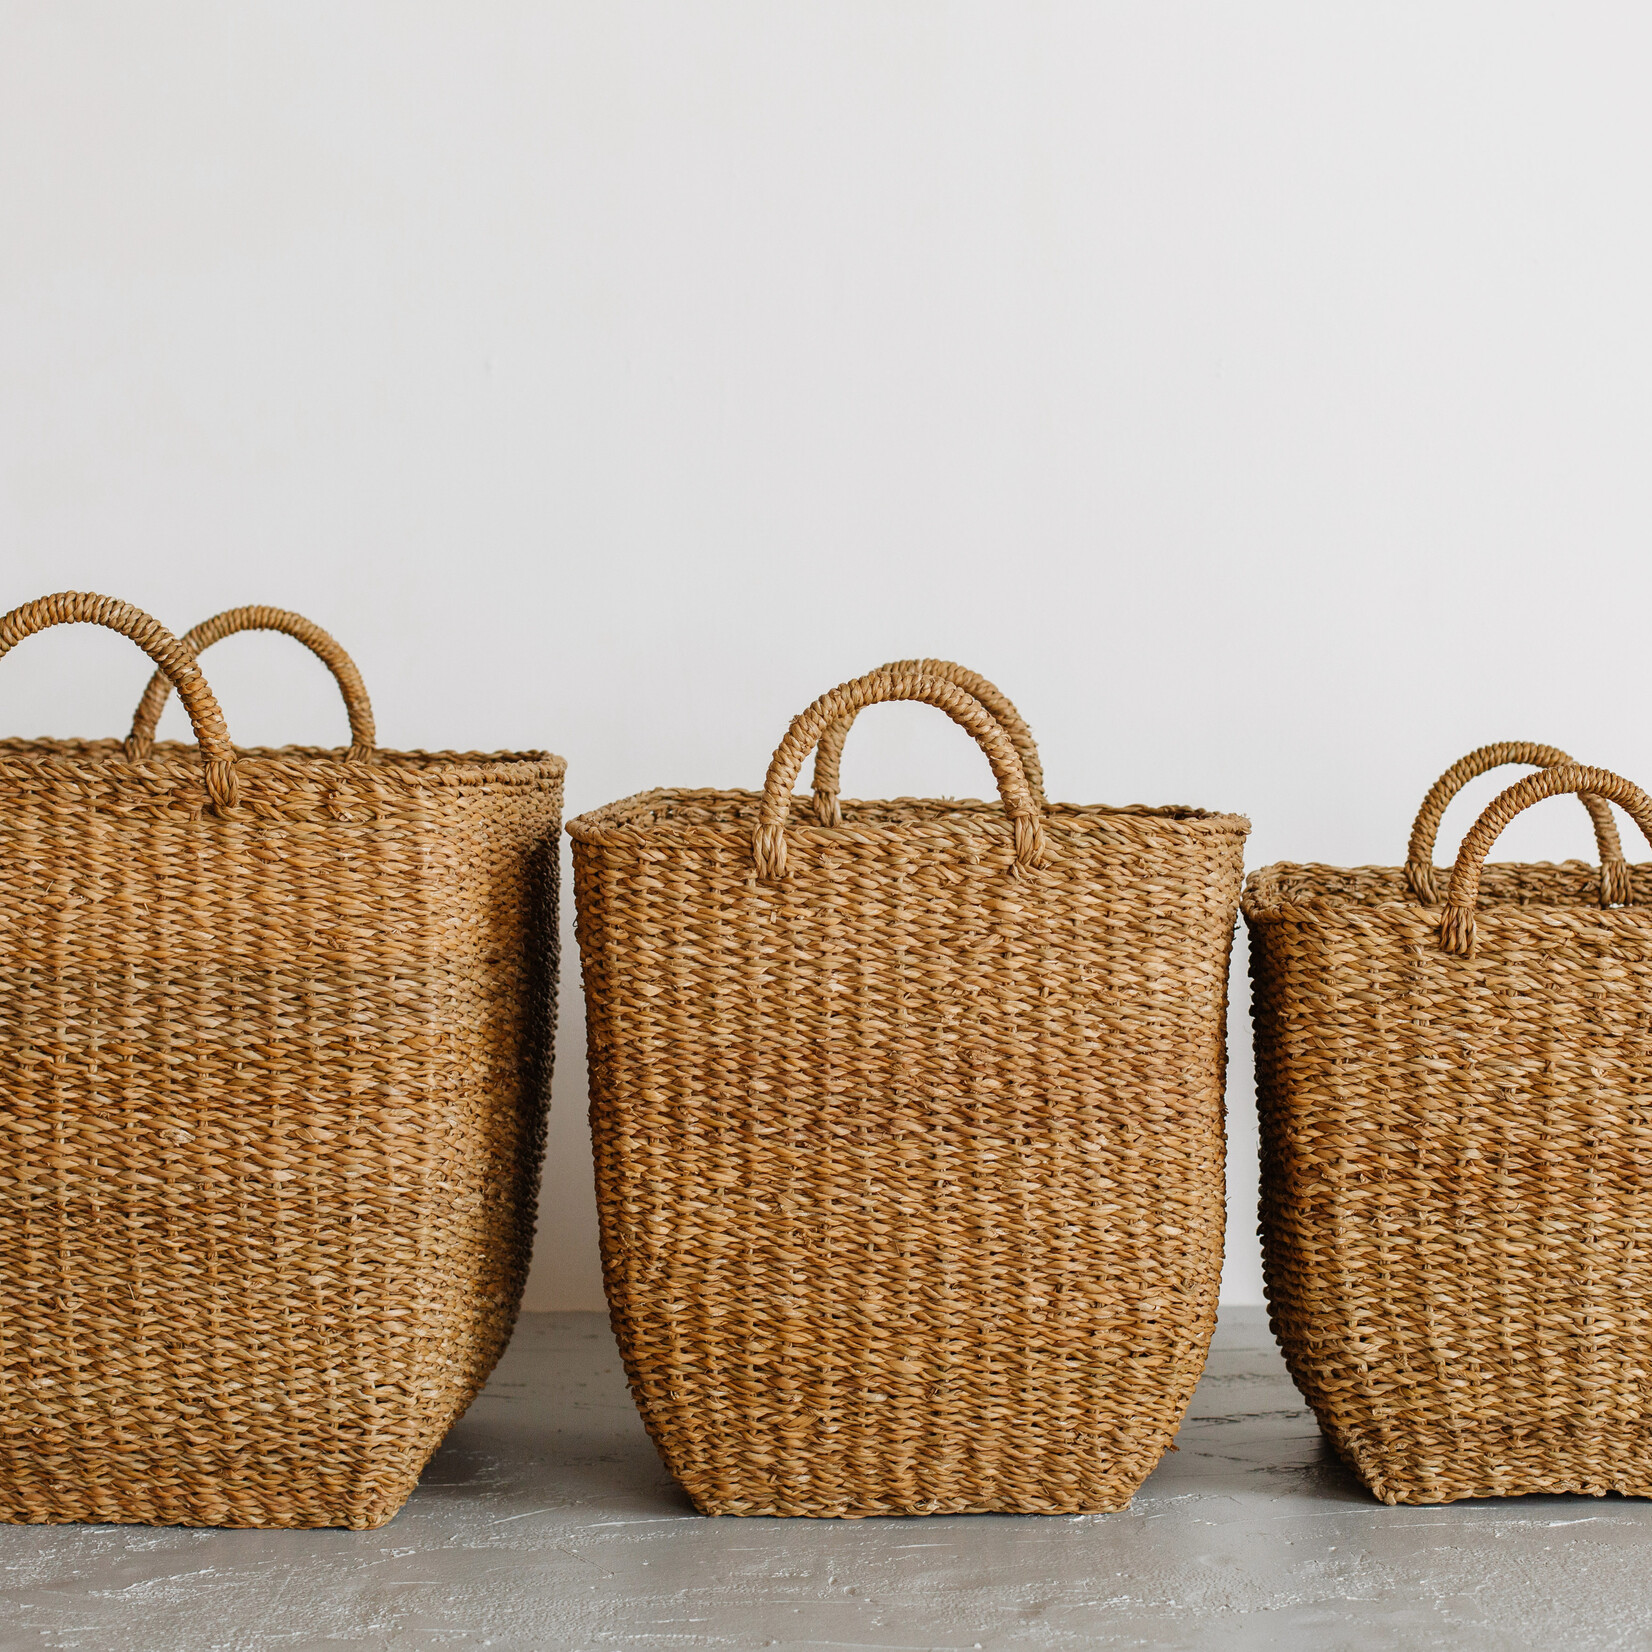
(1456, 1110)
(908, 1126)
(274, 1050)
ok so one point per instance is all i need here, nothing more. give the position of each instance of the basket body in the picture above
(1457, 1176)
(909, 1168)
(273, 1083)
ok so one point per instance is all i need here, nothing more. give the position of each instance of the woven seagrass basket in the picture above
(908, 1125)
(274, 1050)
(1456, 1111)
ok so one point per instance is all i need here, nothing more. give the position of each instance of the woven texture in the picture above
(273, 1066)
(140, 742)
(1456, 1111)
(908, 1130)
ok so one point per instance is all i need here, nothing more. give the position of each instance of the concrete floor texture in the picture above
(547, 1521)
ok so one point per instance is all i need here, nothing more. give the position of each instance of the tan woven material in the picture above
(274, 1052)
(908, 1130)
(1424, 877)
(1456, 1104)
(140, 742)
(829, 753)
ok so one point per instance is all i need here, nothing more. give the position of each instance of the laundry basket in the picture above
(908, 1128)
(274, 1049)
(1456, 1112)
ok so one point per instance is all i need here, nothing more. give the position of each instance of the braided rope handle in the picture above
(141, 741)
(1457, 929)
(841, 706)
(829, 754)
(176, 662)
(1616, 887)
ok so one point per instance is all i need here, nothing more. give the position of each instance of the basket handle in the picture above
(141, 741)
(174, 659)
(829, 753)
(1616, 887)
(1457, 931)
(841, 706)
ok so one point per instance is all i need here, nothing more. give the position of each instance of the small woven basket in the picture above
(274, 1051)
(1456, 1111)
(908, 1125)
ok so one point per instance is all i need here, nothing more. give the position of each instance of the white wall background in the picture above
(1260, 393)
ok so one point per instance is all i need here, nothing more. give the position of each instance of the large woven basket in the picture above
(908, 1127)
(1456, 1109)
(274, 1050)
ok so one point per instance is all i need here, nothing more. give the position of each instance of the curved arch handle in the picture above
(1457, 930)
(829, 754)
(1616, 886)
(173, 658)
(140, 742)
(841, 705)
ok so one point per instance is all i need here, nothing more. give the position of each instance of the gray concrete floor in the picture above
(547, 1522)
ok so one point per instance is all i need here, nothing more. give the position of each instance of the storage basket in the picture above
(275, 1038)
(1456, 1112)
(908, 1128)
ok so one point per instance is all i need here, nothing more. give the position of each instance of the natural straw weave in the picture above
(1456, 1119)
(908, 1130)
(1423, 877)
(141, 741)
(274, 1050)
(829, 753)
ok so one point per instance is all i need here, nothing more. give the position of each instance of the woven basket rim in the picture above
(105, 761)
(619, 822)
(1262, 901)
